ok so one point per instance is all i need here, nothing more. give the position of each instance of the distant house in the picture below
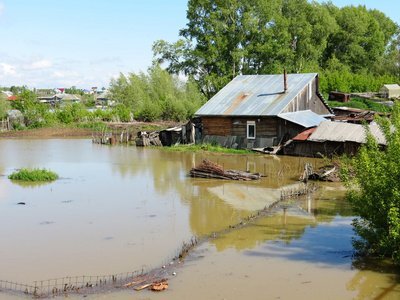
(12, 98)
(332, 138)
(390, 91)
(67, 98)
(339, 96)
(103, 98)
(263, 110)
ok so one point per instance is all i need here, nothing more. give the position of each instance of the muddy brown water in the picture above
(121, 209)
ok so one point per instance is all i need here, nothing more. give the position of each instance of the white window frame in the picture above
(249, 125)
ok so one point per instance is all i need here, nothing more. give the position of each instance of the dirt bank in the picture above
(48, 132)
(59, 132)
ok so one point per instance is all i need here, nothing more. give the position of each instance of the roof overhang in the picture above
(305, 118)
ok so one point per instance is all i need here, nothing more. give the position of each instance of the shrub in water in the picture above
(33, 175)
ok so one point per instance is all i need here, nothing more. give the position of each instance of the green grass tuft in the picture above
(33, 175)
(209, 148)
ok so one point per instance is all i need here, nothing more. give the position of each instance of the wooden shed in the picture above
(263, 110)
(331, 138)
(390, 91)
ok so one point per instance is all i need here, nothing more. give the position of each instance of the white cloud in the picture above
(7, 70)
(41, 64)
(1, 7)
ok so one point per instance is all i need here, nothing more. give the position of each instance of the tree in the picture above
(4, 106)
(158, 95)
(374, 192)
(224, 39)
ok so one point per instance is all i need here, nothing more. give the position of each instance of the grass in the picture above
(209, 148)
(33, 175)
(153, 127)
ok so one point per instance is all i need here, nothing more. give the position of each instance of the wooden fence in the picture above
(5, 125)
(73, 285)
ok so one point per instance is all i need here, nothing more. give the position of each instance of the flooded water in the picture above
(122, 209)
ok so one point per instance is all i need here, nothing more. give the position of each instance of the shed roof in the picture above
(255, 95)
(305, 118)
(345, 132)
(303, 136)
(391, 86)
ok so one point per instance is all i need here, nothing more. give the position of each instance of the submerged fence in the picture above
(74, 285)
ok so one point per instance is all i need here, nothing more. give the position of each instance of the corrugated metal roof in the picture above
(305, 118)
(303, 136)
(255, 95)
(345, 132)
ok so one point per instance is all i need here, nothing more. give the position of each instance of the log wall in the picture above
(265, 127)
(308, 99)
(217, 126)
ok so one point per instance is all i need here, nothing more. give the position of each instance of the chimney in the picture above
(285, 80)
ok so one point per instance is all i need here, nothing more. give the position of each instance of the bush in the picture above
(37, 124)
(33, 175)
(374, 192)
(18, 126)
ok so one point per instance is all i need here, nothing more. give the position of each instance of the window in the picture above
(251, 129)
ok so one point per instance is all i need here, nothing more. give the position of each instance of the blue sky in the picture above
(64, 43)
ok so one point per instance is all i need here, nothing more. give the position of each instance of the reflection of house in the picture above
(263, 110)
(332, 138)
(390, 91)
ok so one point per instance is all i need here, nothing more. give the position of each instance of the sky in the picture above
(49, 44)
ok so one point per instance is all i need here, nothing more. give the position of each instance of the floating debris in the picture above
(208, 169)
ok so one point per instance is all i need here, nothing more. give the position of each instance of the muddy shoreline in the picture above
(75, 132)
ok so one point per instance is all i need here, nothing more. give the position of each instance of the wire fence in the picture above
(75, 285)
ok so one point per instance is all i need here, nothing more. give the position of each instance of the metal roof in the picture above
(303, 136)
(345, 132)
(305, 118)
(391, 86)
(255, 95)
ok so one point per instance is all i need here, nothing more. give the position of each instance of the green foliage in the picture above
(4, 106)
(156, 96)
(347, 82)
(362, 103)
(37, 124)
(18, 126)
(223, 39)
(210, 148)
(33, 175)
(374, 192)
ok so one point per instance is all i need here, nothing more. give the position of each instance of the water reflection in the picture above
(30, 184)
(376, 279)
(290, 222)
(117, 209)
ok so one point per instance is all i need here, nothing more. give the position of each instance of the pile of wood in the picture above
(208, 169)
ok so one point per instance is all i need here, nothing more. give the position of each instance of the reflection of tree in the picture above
(376, 279)
(30, 184)
(266, 229)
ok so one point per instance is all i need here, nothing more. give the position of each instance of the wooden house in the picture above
(263, 110)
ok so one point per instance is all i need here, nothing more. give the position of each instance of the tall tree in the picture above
(223, 39)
